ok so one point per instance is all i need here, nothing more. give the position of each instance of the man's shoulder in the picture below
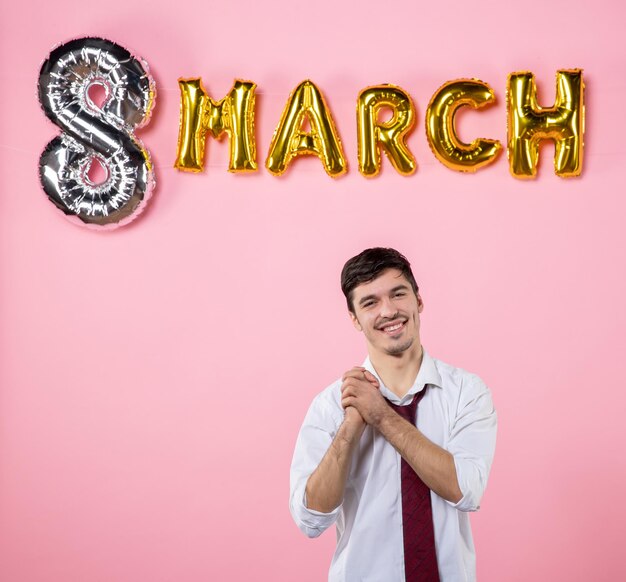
(459, 380)
(328, 402)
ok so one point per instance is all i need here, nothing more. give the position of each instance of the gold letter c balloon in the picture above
(441, 131)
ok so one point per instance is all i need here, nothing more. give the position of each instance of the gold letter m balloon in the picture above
(233, 116)
(528, 124)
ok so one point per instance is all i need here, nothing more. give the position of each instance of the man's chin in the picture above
(399, 348)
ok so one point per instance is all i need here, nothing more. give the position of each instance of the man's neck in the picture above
(398, 373)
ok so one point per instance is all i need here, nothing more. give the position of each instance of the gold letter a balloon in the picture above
(306, 102)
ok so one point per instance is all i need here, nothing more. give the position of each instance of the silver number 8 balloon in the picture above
(91, 131)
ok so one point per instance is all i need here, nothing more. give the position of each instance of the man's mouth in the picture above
(392, 327)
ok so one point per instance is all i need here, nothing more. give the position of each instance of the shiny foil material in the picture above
(390, 136)
(528, 124)
(441, 129)
(232, 116)
(306, 103)
(90, 131)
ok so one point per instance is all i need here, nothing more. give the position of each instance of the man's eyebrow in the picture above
(400, 288)
(366, 298)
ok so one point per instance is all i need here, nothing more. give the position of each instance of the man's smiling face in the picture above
(387, 310)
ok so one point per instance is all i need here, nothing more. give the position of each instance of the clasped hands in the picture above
(365, 405)
(361, 398)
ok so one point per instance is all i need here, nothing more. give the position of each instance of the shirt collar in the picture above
(427, 375)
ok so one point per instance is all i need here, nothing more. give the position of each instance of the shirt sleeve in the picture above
(472, 443)
(317, 433)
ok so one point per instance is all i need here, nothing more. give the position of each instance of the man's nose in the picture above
(387, 308)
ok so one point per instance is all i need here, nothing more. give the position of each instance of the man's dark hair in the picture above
(368, 265)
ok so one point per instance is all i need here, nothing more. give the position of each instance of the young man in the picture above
(397, 451)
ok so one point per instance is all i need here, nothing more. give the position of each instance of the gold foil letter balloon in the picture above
(441, 130)
(528, 124)
(390, 135)
(233, 115)
(306, 103)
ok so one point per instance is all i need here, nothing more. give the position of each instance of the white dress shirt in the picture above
(457, 414)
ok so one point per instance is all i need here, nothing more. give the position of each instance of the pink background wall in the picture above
(153, 379)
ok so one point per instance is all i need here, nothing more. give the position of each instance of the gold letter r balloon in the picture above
(391, 135)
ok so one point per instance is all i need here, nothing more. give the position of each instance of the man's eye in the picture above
(368, 304)
(399, 294)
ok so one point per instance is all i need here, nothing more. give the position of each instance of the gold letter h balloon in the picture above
(529, 123)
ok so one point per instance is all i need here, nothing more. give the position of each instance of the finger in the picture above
(356, 385)
(348, 401)
(356, 372)
(363, 378)
(360, 374)
(349, 389)
(359, 385)
(371, 378)
(350, 382)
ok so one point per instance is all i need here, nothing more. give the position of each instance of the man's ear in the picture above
(355, 321)
(420, 304)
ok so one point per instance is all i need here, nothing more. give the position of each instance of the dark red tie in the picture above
(420, 559)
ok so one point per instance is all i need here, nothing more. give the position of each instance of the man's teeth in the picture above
(393, 327)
